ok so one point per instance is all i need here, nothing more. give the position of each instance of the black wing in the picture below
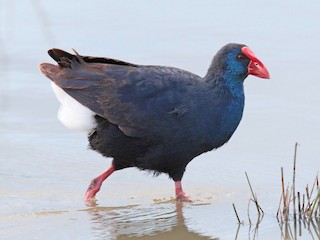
(140, 100)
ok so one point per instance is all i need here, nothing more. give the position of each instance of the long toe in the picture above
(90, 195)
(90, 202)
(182, 197)
(96, 183)
(93, 188)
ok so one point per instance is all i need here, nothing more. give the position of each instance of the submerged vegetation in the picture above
(296, 205)
(300, 209)
(303, 209)
(260, 212)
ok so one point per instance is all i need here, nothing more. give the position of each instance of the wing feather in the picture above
(140, 100)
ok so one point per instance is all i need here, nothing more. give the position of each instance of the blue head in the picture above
(229, 67)
(234, 62)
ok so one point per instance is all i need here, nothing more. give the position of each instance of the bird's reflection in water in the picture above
(159, 221)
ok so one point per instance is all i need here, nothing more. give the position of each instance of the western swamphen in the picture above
(154, 118)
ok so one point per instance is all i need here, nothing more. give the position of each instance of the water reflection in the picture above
(296, 229)
(163, 221)
(291, 230)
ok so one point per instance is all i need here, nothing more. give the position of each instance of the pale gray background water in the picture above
(45, 168)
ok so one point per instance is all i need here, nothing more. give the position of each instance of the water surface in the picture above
(45, 168)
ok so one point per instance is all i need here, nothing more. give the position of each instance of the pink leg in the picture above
(96, 183)
(180, 195)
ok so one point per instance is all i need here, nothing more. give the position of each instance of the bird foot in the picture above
(92, 202)
(182, 197)
(93, 188)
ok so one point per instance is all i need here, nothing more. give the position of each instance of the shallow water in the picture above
(45, 168)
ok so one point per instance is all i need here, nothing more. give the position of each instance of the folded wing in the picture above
(140, 100)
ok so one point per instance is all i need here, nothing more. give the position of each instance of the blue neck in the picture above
(225, 117)
(234, 84)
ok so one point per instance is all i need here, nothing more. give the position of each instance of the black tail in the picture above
(64, 59)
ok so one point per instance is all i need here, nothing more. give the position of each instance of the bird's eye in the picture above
(240, 57)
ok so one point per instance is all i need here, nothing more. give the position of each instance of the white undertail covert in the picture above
(73, 114)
